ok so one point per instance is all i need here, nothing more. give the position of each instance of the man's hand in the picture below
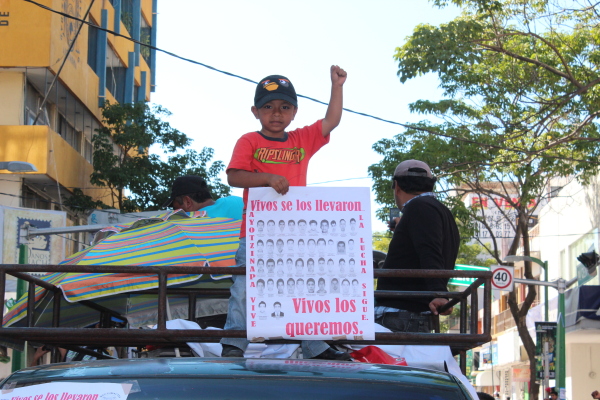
(436, 303)
(279, 183)
(338, 76)
(595, 394)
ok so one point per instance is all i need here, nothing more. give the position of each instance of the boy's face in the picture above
(275, 116)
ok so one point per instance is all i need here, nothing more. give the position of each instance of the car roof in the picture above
(230, 367)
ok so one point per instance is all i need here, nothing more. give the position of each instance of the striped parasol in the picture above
(174, 238)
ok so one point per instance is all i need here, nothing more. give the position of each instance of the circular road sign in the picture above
(502, 278)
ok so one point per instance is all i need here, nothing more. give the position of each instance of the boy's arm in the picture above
(333, 115)
(246, 179)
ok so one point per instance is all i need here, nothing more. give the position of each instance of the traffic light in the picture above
(589, 260)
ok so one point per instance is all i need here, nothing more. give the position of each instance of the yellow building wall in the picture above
(38, 145)
(25, 38)
(35, 37)
(11, 98)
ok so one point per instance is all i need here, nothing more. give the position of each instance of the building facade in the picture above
(54, 78)
(56, 72)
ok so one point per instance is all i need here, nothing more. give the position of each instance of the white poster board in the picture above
(309, 264)
(68, 391)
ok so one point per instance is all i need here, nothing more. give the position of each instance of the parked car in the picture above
(218, 378)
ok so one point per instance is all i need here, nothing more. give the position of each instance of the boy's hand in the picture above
(279, 183)
(338, 75)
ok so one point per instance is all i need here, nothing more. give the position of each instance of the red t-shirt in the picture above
(288, 156)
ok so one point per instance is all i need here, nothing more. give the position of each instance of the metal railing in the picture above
(468, 338)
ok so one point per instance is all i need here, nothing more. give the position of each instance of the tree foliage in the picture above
(125, 160)
(474, 254)
(521, 89)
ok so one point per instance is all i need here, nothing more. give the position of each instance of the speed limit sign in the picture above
(502, 278)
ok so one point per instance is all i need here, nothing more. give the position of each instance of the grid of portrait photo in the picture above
(305, 258)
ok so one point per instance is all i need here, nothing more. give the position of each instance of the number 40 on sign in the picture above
(502, 278)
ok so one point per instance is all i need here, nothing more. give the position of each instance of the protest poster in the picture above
(69, 391)
(309, 264)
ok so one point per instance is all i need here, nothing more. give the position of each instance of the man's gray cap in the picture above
(411, 168)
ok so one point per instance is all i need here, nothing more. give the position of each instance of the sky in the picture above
(301, 40)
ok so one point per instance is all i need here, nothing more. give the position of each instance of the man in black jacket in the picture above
(426, 237)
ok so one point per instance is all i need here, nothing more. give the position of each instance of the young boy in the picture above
(254, 164)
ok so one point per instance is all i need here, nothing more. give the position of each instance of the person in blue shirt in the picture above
(191, 193)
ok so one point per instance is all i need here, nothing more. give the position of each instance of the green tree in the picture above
(79, 203)
(519, 109)
(140, 180)
(381, 241)
(472, 254)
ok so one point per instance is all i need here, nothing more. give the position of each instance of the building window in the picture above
(92, 58)
(145, 37)
(554, 190)
(33, 100)
(33, 200)
(69, 134)
(115, 76)
(88, 151)
(127, 14)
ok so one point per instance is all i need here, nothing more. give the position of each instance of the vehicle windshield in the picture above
(275, 388)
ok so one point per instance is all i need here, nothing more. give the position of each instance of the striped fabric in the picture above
(175, 238)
